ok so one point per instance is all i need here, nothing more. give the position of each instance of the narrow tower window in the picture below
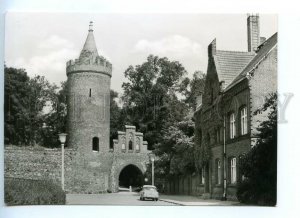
(96, 144)
(137, 145)
(130, 144)
(90, 94)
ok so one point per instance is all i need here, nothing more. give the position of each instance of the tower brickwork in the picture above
(94, 166)
(88, 99)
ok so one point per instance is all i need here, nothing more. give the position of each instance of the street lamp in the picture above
(62, 138)
(152, 161)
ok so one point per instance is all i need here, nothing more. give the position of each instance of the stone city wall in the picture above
(94, 172)
(35, 163)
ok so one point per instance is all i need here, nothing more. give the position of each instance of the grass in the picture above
(32, 192)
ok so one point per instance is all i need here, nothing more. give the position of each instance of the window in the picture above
(90, 94)
(244, 127)
(218, 134)
(96, 144)
(123, 144)
(137, 145)
(130, 145)
(233, 170)
(232, 126)
(203, 175)
(218, 171)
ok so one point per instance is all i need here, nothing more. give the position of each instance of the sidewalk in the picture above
(186, 200)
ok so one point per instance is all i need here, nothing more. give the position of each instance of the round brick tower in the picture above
(88, 100)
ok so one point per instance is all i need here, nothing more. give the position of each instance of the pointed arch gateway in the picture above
(131, 175)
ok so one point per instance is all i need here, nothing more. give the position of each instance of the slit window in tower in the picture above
(96, 144)
(90, 94)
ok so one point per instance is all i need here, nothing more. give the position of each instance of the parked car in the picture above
(149, 192)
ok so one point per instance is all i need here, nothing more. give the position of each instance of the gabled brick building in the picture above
(236, 85)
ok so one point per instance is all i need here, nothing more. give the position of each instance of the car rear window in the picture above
(150, 188)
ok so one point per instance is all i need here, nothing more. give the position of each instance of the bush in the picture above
(32, 192)
(259, 165)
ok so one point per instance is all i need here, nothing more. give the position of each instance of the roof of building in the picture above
(230, 63)
(264, 49)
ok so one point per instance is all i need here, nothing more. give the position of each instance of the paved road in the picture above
(121, 198)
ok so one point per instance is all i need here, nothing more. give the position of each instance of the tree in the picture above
(150, 97)
(259, 166)
(195, 88)
(116, 117)
(55, 119)
(28, 103)
(16, 101)
(41, 94)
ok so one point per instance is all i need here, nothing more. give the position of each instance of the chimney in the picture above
(222, 85)
(262, 40)
(253, 32)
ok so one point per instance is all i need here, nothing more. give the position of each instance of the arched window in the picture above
(130, 144)
(95, 144)
(218, 171)
(130, 147)
(202, 175)
(244, 123)
(232, 125)
(123, 144)
(232, 162)
(137, 145)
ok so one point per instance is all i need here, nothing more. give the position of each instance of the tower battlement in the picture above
(97, 65)
(89, 60)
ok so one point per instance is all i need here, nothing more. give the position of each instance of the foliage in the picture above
(15, 105)
(24, 103)
(55, 120)
(116, 117)
(158, 99)
(32, 192)
(259, 166)
(150, 97)
(195, 88)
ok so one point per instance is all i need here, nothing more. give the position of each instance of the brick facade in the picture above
(230, 98)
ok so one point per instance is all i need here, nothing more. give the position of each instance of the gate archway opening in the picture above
(132, 176)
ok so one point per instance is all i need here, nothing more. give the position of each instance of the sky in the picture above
(42, 43)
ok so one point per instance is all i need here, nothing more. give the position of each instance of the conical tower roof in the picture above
(89, 50)
(89, 59)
